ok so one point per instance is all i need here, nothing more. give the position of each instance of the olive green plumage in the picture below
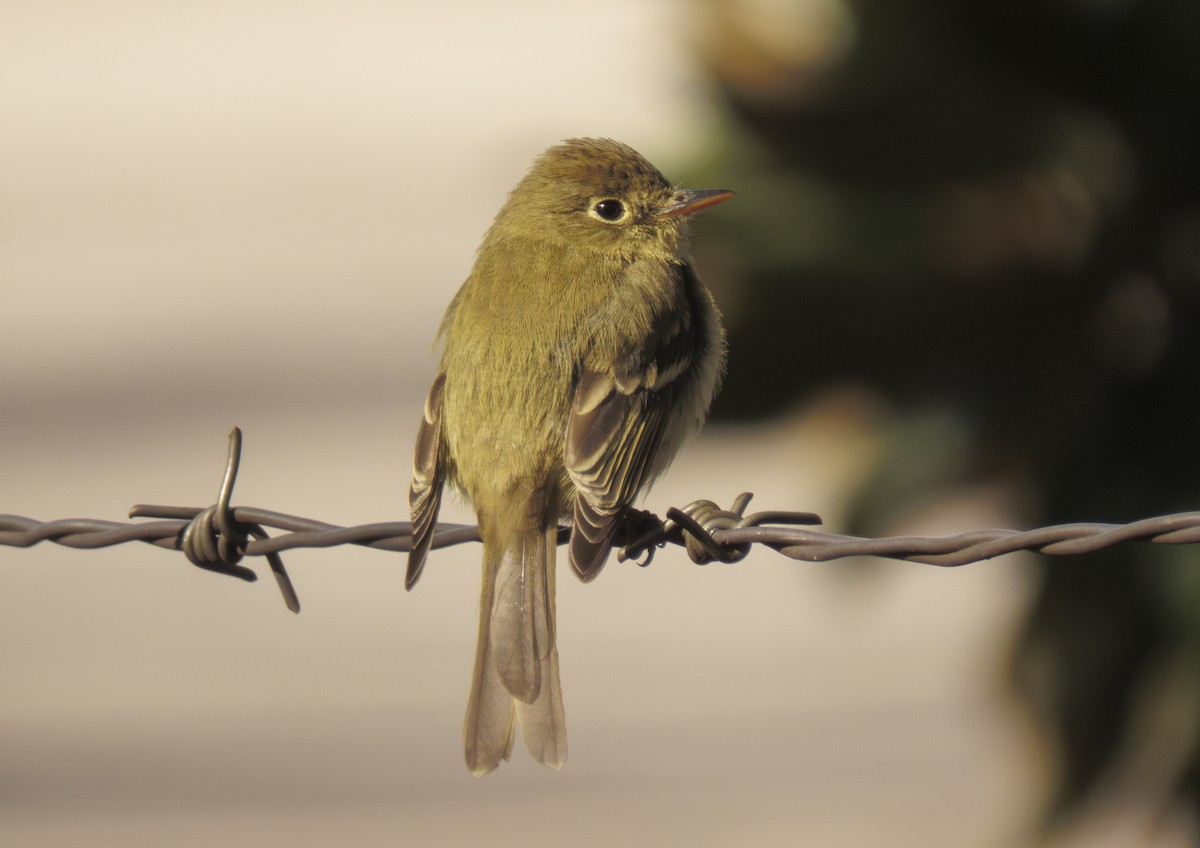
(577, 356)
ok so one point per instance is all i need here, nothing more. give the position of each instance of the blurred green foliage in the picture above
(988, 213)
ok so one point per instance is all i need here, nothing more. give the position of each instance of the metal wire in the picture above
(218, 537)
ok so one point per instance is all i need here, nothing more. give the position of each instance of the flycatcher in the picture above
(578, 355)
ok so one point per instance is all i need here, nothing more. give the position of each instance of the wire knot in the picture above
(694, 526)
(213, 540)
(700, 519)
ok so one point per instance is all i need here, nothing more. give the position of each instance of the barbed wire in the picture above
(217, 538)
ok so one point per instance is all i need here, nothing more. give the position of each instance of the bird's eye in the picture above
(609, 210)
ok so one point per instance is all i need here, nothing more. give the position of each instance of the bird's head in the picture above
(599, 194)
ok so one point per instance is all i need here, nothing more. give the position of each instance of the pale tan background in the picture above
(253, 213)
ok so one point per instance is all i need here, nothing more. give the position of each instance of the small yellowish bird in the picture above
(578, 355)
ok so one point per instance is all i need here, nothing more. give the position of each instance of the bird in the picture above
(578, 355)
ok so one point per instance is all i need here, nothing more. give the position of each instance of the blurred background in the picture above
(960, 277)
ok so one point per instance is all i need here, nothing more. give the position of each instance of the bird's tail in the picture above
(516, 662)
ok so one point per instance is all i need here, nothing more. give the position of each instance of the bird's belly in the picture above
(505, 438)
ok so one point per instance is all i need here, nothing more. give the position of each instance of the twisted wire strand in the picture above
(217, 538)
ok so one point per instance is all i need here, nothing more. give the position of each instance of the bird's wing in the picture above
(425, 495)
(619, 414)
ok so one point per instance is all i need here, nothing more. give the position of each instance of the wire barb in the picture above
(214, 540)
(694, 526)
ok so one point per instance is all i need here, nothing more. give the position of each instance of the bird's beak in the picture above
(687, 201)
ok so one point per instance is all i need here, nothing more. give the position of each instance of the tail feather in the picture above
(488, 729)
(516, 663)
(543, 725)
(517, 640)
(491, 718)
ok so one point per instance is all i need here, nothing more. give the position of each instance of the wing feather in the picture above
(425, 495)
(619, 416)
